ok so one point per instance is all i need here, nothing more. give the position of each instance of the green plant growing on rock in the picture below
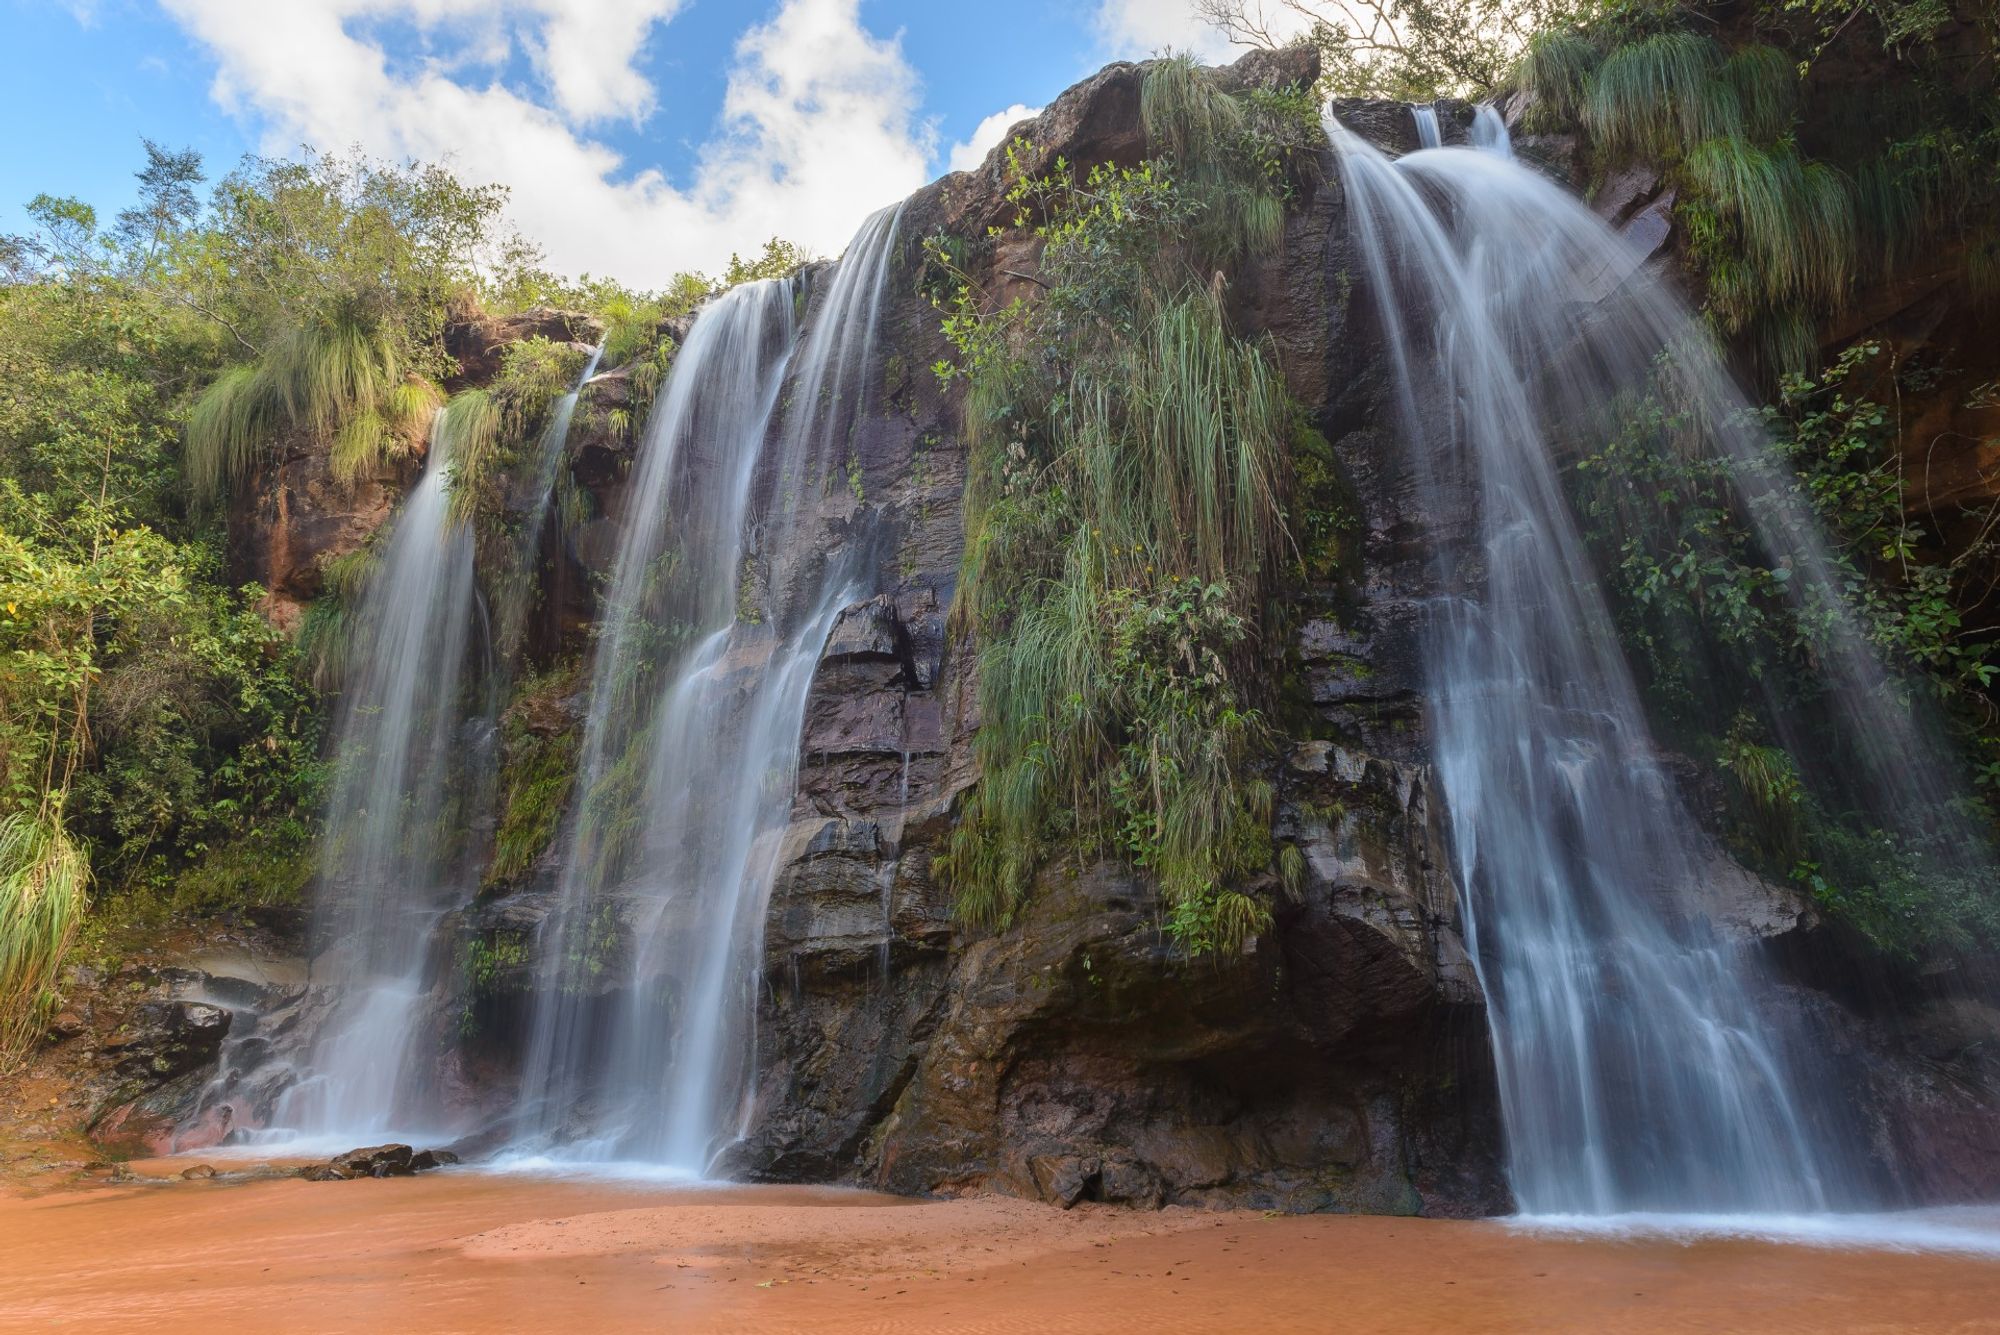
(539, 761)
(1715, 633)
(1125, 513)
(44, 880)
(1784, 236)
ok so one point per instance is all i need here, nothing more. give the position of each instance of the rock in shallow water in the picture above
(377, 1161)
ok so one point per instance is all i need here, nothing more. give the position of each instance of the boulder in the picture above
(376, 1161)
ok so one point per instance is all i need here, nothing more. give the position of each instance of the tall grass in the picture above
(1794, 219)
(1555, 69)
(1106, 698)
(329, 631)
(44, 880)
(336, 378)
(226, 428)
(1207, 134)
(1654, 95)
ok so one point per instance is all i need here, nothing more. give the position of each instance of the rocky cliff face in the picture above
(1343, 1063)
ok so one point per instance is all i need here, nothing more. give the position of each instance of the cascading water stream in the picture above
(388, 872)
(725, 589)
(1430, 131)
(539, 495)
(391, 869)
(1639, 1070)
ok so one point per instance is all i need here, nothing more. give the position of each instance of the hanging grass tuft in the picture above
(329, 629)
(1765, 81)
(227, 426)
(1555, 70)
(44, 881)
(473, 428)
(1185, 114)
(360, 447)
(323, 371)
(1652, 96)
(322, 378)
(1793, 219)
(411, 405)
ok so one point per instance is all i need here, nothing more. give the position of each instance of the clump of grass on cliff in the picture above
(1125, 519)
(336, 378)
(1781, 238)
(44, 879)
(539, 763)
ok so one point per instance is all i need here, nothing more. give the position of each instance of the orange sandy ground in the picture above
(461, 1251)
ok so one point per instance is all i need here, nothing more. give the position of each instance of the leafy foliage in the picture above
(1124, 516)
(1791, 194)
(1716, 635)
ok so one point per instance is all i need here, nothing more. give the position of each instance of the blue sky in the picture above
(639, 137)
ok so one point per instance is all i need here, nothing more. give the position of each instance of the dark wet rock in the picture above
(165, 1039)
(480, 343)
(376, 1161)
(325, 1172)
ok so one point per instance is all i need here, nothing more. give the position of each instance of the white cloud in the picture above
(818, 126)
(1135, 29)
(990, 132)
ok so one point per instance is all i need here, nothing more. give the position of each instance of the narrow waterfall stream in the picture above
(1639, 1069)
(393, 868)
(388, 873)
(720, 602)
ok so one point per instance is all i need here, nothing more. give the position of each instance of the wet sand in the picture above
(463, 1251)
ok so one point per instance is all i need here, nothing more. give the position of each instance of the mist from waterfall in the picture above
(726, 585)
(1640, 1064)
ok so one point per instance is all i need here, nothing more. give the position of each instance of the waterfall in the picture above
(1430, 133)
(390, 869)
(726, 584)
(537, 497)
(1490, 132)
(1639, 1068)
(409, 755)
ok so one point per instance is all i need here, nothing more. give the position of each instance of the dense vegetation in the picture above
(1126, 514)
(162, 745)
(1829, 163)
